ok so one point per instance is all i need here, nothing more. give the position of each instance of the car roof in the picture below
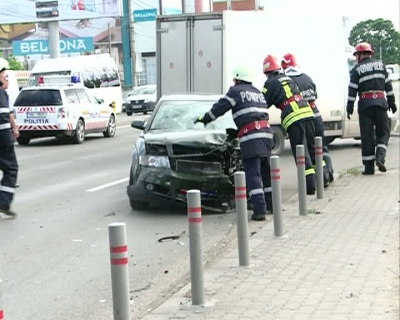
(192, 96)
(52, 87)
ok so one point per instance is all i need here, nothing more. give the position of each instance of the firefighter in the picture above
(370, 79)
(249, 111)
(297, 116)
(8, 160)
(309, 92)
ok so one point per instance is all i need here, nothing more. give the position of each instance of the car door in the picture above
(93, 124)
(75, 112)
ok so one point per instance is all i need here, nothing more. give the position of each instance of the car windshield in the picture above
(144, 90)
(45, 97)
(180, 115)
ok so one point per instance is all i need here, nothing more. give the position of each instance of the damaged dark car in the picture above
(173, 155)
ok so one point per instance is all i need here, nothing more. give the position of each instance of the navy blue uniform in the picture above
(249, 111)
(297, 119)
(8, 160)
(309, 92)
(370, 79)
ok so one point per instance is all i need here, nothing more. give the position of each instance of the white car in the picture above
(58, 108)
(142, 99)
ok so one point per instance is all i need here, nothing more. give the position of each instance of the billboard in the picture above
(34, 11)
(67, 45)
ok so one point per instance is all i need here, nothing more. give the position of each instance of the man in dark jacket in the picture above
(249, 111)
(8, 160)
(309, 92)
(370, 79)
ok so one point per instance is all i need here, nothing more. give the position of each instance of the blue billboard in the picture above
(67, 45)
(145, 15)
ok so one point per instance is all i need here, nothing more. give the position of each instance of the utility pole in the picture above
(161, 6)
(132, 36)
(109, 38)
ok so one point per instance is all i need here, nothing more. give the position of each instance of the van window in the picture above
(34, 78)
(98, 77)
(83, 98)
(71, 96)
(32, 98)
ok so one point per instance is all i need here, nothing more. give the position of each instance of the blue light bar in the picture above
(75, 79)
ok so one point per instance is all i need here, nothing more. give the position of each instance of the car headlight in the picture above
(147, 100)
(154, 161)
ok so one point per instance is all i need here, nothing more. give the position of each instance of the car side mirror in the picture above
(101, 100)
(139, 124)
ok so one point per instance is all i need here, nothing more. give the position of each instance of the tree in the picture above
(383, 37)
(14, 63)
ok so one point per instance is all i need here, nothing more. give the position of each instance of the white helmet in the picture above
(4, 65)
(243, 72)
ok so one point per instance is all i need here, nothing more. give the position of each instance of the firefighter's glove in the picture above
(201, 120)
(393, 108)
(350, 110)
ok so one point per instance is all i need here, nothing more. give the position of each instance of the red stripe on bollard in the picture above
(301, 162)
(275, 170)
(301, 157)
(275, 177)
(240, 188)
(195, 220)
(194, 210)
(119, 249)
(119, 262)
(241, 196)
(1, 314)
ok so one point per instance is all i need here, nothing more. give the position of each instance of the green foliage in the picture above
(383, 37)
(14, 63)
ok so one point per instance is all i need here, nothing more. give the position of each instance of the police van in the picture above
(62, 107)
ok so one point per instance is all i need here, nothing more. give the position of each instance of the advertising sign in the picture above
(68, 45)
(34, 11)
(145, 15)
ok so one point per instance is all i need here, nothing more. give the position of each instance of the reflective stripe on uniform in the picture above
(371, 76)
(212, 116)
(310, 171)
(257, 135)
(266, 190)
(368, 158)
(248, 110)
(387, 80)
(6, 189)
(230, 100)
(317, 114)
(390, 93)
(5, 110)
(5, 126)
(282, 79)
(305, 112)
(350, 98)
(353, 85)
(256, 191)
(381, 146)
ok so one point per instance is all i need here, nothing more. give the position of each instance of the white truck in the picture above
(196, 53)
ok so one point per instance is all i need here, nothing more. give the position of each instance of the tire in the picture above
(279, 140)
(145, 112)
(23, 141)
(79, 135)
(129, 114)
(111, 128)
(136, 205)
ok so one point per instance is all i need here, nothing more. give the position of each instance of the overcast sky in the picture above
(355, 10)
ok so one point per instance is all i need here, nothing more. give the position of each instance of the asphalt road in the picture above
(54, 259)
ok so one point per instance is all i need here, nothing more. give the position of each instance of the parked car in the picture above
(173, 155)
(125, 95)
(142, 99)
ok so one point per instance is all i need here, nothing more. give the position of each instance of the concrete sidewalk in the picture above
(339, 262)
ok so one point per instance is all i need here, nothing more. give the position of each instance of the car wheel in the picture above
(279, 140)
(23, 141)
(111, 128)
(79, 135)
(145, 112)
(129, 113)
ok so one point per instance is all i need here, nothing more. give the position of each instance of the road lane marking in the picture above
(108, 185)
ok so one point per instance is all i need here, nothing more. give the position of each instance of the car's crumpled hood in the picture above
(192, 138)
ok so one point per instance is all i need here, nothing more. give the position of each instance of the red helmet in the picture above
(288, 60)
(363, 47)
(271, 63)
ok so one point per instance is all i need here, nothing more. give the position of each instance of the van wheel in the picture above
(23, 141)
(129, 113)
(279, 140)
(79, 135)
(111, 128)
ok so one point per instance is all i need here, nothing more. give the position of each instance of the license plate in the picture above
(36, 115)
(136, 107)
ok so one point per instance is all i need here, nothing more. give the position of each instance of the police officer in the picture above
(249, 111)
(8, 160)
(309, 92)
(297, 116)
(370, 79)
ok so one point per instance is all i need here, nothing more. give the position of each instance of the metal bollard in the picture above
(242, 218)
(276, 196)
(301, 179)
(319, 168)
(119, 270)
(196, 246)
